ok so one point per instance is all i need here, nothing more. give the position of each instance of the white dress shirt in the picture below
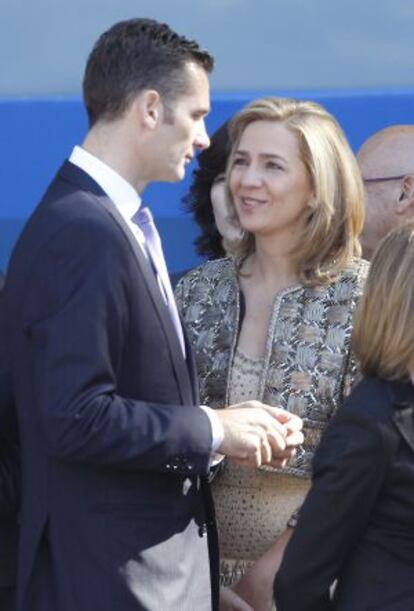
(127, 202)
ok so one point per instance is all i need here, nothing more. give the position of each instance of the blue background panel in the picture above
(38, 134)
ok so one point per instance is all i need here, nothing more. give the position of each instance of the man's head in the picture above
(135, 55)
(146, 92)
(386, 161)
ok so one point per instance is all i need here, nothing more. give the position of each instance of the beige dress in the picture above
(252, 505)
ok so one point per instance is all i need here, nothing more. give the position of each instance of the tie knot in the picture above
(143, 217)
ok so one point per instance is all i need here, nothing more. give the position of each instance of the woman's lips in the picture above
(250, 204)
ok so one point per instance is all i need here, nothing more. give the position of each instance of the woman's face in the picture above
(269, 182)
(226, 223)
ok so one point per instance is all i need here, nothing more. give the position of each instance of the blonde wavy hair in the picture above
(384, 320)
(330, 239)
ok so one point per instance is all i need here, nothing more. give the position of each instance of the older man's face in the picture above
(381, 198)
(388, 157)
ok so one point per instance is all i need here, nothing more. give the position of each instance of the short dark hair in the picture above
(211, 163)
(135, 55)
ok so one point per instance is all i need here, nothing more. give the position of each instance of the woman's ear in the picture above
(312, 203)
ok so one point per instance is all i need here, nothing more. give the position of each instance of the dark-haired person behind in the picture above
(357, 523)
(9, 480)
(206, 200)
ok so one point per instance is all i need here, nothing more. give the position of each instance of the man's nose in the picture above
(202, 138)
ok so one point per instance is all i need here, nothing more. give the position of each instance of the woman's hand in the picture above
(230, 601)
(256, 585)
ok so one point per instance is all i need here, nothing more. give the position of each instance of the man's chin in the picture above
(175, 175)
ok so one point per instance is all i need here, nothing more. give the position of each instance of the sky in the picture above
(258, 44)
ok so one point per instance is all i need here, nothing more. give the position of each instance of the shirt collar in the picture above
(121, 192)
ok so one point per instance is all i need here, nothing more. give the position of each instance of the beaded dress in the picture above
(245, 496)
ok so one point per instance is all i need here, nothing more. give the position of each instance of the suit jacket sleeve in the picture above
(9, 478)
(349, 469)
(77, 320)
(9, 450)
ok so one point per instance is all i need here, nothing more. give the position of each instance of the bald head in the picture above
(388, 153)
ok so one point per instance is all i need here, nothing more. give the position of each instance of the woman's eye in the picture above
(240, 161)
(273, 165)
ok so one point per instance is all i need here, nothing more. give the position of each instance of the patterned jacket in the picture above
(308, 366)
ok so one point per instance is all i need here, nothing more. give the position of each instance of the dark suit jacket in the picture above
(357, 522)
(112, 440)
(9, 471)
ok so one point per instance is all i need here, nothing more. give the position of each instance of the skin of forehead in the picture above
(266, 126)
(388, 152)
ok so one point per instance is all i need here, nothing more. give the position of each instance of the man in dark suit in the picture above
(115, 447)
(9, 480)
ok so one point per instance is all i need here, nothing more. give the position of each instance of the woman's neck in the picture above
(273, 264)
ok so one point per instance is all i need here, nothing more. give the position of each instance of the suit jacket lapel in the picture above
(75, 174)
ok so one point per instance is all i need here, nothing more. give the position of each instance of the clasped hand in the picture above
(257, 434)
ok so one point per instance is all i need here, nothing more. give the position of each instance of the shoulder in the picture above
(369, 401)
(76, 242)
(341, 294)
(379, 399)
(68, 219)
(369, 391)
(362, 425)
(349, 284)
(355, 273)
(205, 278)
(211, 271)
(371, 406)
(357, 268)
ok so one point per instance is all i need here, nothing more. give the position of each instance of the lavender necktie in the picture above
(145, 222)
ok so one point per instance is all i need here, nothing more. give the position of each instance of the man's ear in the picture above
(405, 203)
(149, 106)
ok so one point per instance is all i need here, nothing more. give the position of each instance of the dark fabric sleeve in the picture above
(77, 323)
(349, 469)
(9, 478)
(9, 449)
(7, 404)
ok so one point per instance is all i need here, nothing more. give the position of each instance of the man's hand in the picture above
(255, 433)
(294, 436)
(230, 601)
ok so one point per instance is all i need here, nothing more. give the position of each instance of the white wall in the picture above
(258, 44)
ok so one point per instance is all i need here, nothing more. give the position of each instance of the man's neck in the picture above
(111, 144)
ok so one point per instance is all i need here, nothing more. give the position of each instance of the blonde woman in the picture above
(357, 523)
(274, 321)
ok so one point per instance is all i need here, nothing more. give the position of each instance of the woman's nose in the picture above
(251, 176)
